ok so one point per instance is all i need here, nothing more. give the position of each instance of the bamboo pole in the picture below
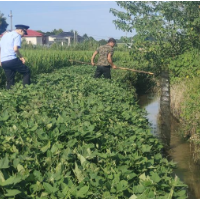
(134, 70)
(122, 68)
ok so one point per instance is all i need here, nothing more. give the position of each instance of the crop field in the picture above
(69, 135)
(45, 61)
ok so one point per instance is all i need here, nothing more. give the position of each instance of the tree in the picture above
(85, 37)
(102, 42)
(56, 32)
(72, 31)
(165, 29)
(3, 24)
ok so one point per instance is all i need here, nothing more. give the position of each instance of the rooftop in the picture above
(31, 33)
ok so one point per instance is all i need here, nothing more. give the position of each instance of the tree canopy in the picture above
(3, 24)
(165, 29)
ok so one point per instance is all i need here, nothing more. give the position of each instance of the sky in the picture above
(90, 17)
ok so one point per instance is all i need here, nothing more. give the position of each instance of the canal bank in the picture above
(179, 150)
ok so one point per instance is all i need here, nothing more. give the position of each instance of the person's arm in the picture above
(93, 56)
(110, 61)
(17, 45)
(16, 49)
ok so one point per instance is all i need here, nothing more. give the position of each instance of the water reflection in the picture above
(151, 104)
(179, 150)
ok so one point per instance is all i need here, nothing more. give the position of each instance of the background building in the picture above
(37, 38)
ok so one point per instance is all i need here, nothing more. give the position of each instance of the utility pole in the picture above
(74, 37)
(10, 19)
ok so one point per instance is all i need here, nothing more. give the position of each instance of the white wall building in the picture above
(34, 37)
(37, 38)
(65, 37)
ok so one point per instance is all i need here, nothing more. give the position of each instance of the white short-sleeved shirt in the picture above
(7, 43)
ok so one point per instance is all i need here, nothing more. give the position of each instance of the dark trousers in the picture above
(102, 70)
(11, 67)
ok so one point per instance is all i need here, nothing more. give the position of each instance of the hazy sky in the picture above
(90, 17)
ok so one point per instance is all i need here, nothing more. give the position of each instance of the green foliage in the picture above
(190, 114)
(172, 26)
(168, 39)
(72, 136)
(3, 24)
(185, 66)
(47, 60)
(53, 32)
(102, 42)
(86, 45)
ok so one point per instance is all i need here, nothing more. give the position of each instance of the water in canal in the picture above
(179, 150)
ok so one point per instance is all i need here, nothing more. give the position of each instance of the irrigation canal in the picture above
(179, 150)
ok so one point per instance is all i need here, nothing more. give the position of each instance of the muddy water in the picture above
(179, 150)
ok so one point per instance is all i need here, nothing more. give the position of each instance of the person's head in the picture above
(112, 42)
(22, 29)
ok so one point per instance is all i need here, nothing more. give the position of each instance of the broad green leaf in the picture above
(133, 196)
(49, 188)
(20, 168)
(46, 147)
(2, 180)
(11, 193)
(12, 180)
(4, 116)
(4, 163)
(143, 177)
(54, 148)
(82, 192)
(81, 158)
(78, 173)
(38, 175)
(155, 177)
(122, 185)
(146, 148)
